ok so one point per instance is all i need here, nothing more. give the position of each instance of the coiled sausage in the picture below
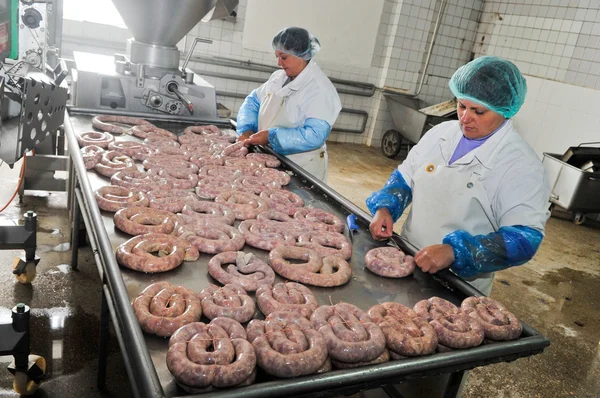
(245, 205)
(229, 301)
(243, 269)
(498, 323)
(107, 123)
(136, 253)
(389, 262)
(144, 220)
(289, 296)
(162, 308)
(113, 198)
(100, 139)
(212, 237)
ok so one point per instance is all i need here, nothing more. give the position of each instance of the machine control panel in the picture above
(163, 103)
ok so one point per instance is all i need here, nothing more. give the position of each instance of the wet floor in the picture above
(556, 293)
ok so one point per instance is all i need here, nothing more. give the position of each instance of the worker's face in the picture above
(477, 121)
(291, 65)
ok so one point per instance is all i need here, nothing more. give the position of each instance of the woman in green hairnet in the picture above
(478, 190)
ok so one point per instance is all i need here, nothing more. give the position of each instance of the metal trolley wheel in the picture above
(391, 143)
(579, 218)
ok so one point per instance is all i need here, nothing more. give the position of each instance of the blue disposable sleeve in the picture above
(394, 196)
(508, 247)
(312, 135)
(247, 117)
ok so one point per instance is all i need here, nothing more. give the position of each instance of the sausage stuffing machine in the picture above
(145, 355)
(148, 78)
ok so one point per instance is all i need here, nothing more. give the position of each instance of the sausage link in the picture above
(317, 215)
(107, 123)
(203, 210)
(144, 220)
(100, 139)
(212, 237)
(244, 205)
(458, 331)
(91, 155)
(113, 198)
(435, 307)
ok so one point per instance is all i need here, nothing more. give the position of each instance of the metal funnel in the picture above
(164, 22)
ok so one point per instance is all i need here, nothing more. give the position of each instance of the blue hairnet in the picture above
(297, 42)
(492, 82)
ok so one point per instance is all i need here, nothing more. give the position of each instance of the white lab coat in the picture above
(501, 183)
(310, 95)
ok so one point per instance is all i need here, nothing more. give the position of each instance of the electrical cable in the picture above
(21, 178)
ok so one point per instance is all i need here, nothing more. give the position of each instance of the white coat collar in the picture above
(485, 154)
(300, 81)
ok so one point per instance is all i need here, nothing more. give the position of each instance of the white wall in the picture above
(556, 116)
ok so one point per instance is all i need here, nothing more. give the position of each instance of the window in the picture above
(97, 11)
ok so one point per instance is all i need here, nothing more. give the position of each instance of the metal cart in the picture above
(575, 181)
(144, 355)
(412, 120)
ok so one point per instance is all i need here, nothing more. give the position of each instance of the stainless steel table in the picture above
(144, 355)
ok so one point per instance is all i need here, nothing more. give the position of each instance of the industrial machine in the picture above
(148, 78)
(575, 180)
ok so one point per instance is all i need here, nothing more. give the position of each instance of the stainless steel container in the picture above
(573, 189)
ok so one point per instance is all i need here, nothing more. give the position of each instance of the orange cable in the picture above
(21, 175)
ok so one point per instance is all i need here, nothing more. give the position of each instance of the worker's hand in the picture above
(382, 225)
(260, 138)
(245, 135)
(434, 258)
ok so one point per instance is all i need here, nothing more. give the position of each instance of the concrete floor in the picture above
(556, 293)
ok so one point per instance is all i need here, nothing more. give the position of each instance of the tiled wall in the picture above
(556, 116)
(551, 39)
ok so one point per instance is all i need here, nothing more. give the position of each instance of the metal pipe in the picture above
(344, 110)
(433, 36)
(144, 373)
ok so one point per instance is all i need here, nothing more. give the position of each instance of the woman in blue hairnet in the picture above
(294, 110)
(478, 190)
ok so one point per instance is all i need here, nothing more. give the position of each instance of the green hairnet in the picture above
(492, 82)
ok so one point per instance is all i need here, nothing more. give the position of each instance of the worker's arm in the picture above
(395, 196)
(508, 247)
(312, 135)
(247, 117)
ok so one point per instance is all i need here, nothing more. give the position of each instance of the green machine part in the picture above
(14, 28)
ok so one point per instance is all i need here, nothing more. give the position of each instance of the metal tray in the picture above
(145, 355)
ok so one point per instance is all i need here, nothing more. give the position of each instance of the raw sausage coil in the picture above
(267, 235)
(326, 243)
(287, 345)
(112, 162)
(211, 187)
(91, 155)
(254, 184)
(201, 356)
(220, 172)
(229, 301)
(162, 308)
(212, 237)
(112, 198)
(100, 139)
(136, 253)
(203, 210)
(139, 181)
(243, 269)
(107, 123)
(283, 200)
(334, 224)
(458, 331)
(434, 308)
(134, 150)
(245, 205)
(237, 150)
(173, 200)
(406, 333)
(180, 179)
(264, 158)
(389, 262)
(280, 177)
(351, 335)
(316, 270)
(144, 220)
(498, 323)
(289, 296)
(143, 131)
